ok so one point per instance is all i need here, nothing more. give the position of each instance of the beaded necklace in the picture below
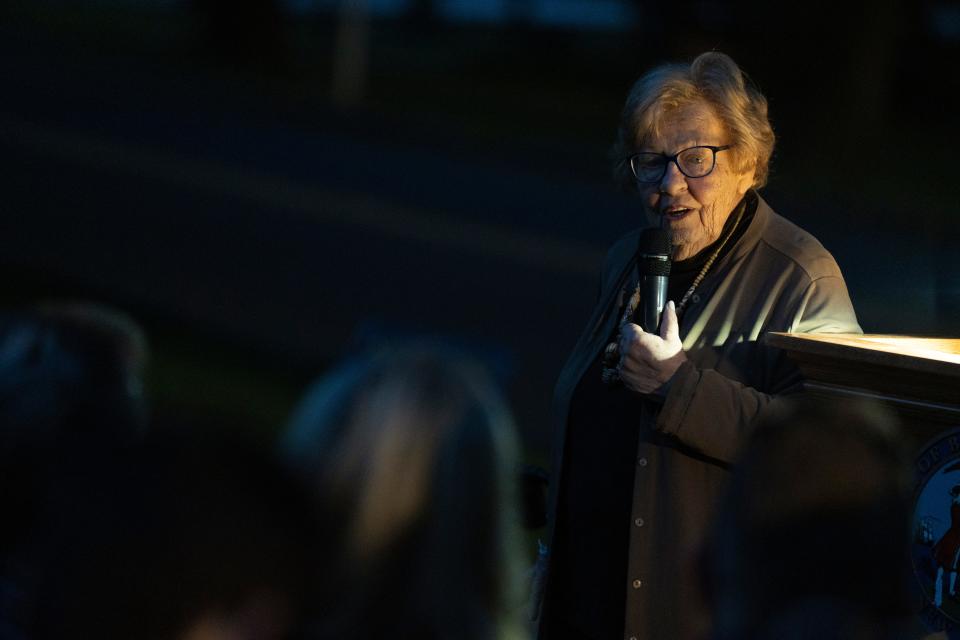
(611, 355)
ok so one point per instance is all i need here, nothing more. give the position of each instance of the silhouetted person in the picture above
(197, 536)
(812, 539)
(70, 382)
(70, 397)
(70, 369)
(412, 454)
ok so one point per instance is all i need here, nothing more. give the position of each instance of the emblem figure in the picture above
(946, 552)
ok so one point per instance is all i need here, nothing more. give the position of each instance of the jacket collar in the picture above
(753, 233)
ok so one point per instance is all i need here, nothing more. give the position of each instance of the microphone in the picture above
(653, 264)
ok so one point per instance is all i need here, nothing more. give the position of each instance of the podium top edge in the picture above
(941, 353)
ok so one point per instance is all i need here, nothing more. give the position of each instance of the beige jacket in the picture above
(777, 278)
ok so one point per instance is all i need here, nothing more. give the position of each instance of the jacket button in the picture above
(695, 298)
(638, 522)
(642, 462)
(637, 584)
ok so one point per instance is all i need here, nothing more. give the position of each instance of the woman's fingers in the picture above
(648, 360)
(637, 344)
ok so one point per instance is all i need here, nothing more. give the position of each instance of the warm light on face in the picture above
(693, 209)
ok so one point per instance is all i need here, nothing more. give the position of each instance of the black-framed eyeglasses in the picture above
(693, 162)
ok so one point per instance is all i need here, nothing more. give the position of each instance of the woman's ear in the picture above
(746, 178)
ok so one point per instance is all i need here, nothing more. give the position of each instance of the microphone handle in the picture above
(653, 298)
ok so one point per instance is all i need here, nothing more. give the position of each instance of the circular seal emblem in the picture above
(935, 548)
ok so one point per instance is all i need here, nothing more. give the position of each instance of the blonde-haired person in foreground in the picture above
(412, 455)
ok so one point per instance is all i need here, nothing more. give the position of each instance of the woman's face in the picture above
(693, 209)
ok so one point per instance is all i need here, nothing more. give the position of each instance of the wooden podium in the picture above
(919, 378)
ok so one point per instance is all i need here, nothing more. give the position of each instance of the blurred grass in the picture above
(191, 381)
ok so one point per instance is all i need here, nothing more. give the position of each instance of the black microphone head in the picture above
(654, 242)
(653, 251)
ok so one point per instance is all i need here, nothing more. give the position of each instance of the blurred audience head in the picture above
(72, 368)
(70, 390)
(812, 540)
(412, 452)
(191, 536)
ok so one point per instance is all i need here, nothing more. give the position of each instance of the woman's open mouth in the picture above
(675, 213)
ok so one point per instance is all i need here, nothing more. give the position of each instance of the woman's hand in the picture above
(648, 361)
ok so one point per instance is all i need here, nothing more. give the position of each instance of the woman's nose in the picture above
(673, 180)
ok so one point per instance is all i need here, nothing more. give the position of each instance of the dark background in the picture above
(268, 190)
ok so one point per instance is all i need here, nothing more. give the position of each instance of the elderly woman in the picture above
(639, 464)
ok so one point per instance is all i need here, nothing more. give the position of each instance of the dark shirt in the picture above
(589, 562)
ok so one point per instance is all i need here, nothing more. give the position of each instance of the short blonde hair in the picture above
(714, 79)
